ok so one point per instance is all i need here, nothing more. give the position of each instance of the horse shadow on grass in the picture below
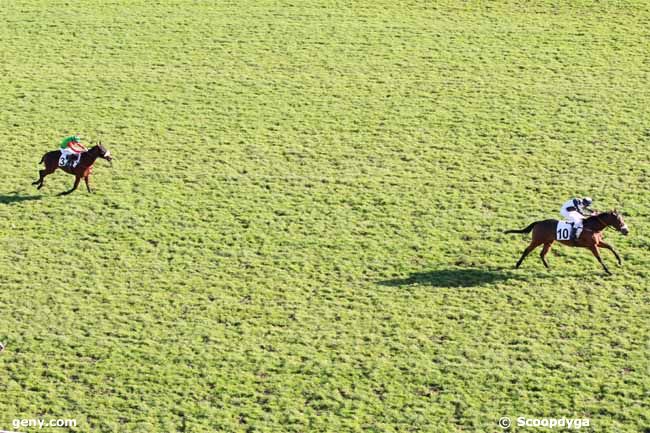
(455, 278)
(17, 198)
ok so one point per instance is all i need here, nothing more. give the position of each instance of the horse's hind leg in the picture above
(41, 177)
(545, 249)
(527, 251)
(39, 182)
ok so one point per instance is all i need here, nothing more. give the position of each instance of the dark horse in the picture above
(83, 169)
(591, 236)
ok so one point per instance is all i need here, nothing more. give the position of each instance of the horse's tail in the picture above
(526, 230)
(43, 158)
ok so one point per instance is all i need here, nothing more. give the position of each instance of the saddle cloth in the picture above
(63, 159)
(563, 231)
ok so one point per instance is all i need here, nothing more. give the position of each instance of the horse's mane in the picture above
(611, 212)
(96, 148)
(92, 152)
(594, 216)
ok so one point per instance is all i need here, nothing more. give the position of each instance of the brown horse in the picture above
(591, 236)
(83, 169)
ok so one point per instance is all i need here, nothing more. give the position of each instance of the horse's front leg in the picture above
(87, 184)
(594, 250)
(76, 184)
(611, 248)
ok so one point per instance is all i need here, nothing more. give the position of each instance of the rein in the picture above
(605, 225)
(91, 154)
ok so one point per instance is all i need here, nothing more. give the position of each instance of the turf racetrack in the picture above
(302, 227)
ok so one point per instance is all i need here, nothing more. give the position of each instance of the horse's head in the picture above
(615, 219)
(104, 153)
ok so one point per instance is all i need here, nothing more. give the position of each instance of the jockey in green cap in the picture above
(71, 146)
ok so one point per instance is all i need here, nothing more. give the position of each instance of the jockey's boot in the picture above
(578, 231)
(72, 161)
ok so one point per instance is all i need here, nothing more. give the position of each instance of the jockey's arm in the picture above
(77, 147)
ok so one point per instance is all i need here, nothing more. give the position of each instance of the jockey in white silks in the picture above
(573, 211)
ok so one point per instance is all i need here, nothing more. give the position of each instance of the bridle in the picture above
(606, 226)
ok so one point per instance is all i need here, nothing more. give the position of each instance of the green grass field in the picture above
(302, 227)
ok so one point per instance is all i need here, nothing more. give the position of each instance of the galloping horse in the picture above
(591, 236)
(82, 170)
